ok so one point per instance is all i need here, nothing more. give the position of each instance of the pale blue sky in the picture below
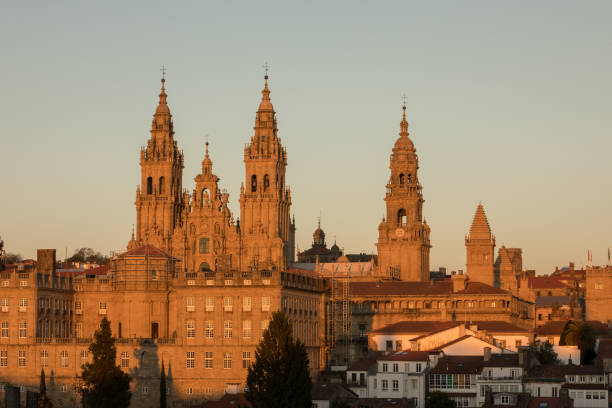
(509, 103)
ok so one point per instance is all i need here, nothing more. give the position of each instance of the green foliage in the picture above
(43, 399)
(108, 386)
(439, 400)
(162, 387)
(279, 376)
(88, 255)
(544, 353)
(581, 334)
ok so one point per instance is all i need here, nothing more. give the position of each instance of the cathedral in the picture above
(198, 228)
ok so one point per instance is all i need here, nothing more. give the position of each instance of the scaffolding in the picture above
(339, 316)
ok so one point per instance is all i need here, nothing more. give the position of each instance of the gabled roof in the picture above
(498, 326)
(330, 392)
(503, 360)
(546, 282)
(414, 326)
(363, 365)
(550, 301)
(556, 327)
(406, 356)
(458, 365)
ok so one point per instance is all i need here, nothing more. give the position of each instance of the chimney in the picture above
(459, 281)
(571, 266)
(487, 353)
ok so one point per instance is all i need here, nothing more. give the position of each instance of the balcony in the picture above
(4, 309)
(191, 308)
(23, 309)
(102, 312)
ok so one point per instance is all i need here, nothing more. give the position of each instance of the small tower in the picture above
(159, 200)
(265, 201)
(480, 247)
(403, 238)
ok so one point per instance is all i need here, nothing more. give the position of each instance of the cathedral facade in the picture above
(198, 228)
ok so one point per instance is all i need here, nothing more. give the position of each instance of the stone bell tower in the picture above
(159, 196)
(403, 237)
(480, 247)
(267, 231)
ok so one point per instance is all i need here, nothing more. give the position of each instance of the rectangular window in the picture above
(227, 329)
(264, 326)
(190, 359)
(4, 329)
(246, 329)
(246, 359)
(227, 303)
(395, 367)
(208, 359)
(23, 283)
(125, 359)
(64, 359)
(418, 367)
(4, 358)
(84, 355)
(145, 389)
(21, 359)
(210, 303)
(44, 358)
(23, 305)
(385, 367)
(209, 329)
(395, 385)
(265, 304)
(204, 245)
(227, 360)
(191, 330)
(79, 329)
(23, 329)
(246, 304)
(385, 385)
(190, 304)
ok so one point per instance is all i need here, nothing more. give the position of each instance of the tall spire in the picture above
(404, 122)
(162, 108)
(266, 104)
(480, 226)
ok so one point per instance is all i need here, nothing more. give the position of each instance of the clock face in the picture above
(399, 232)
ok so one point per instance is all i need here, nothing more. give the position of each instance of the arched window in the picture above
(204, 196)
(204, 267)
(253, 183)
(401, 178)
(161, 185)
(266, 182)
(408, 178)
(401, 217)
(150, 185)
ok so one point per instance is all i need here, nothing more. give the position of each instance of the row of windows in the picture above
(44, 358)
(395, 367)
(450, 381)
(588, 395)
(4, 329)
(190, 359)
(23, 283)
(209, 328)
(585, 379)
(426, 304)
(228, 303)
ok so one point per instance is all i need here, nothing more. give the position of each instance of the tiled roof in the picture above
(604, 349)
(498, 326)
(395, 288)
(502, 360)
(458, 365)
(406, 356)
(148, 250)
(546, 282)
(550, 301)
(330, 392)
(414, 326)
(556, 327)
(546, 372)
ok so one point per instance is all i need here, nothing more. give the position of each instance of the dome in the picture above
(403, 143)
(319, 236)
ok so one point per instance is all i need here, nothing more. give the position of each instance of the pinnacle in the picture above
(480, 226)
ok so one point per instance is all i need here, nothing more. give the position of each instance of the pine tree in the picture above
(43, 399)
(108, 386)
(279, 377)
(162, 387)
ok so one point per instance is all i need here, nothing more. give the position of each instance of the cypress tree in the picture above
(108, 386)
(43, 399)
(162, 387)
(279, 377)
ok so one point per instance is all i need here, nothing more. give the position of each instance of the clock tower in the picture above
(403, 237)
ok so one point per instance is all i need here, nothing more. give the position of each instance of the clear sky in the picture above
(509, 103)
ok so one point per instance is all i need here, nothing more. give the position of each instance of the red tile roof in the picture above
(363, 364)
(502, 360)
(148, 250)
(496, 326)
(479, 287)
(458, 365)
(546, 282)
(406, 356)
(413, 326)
